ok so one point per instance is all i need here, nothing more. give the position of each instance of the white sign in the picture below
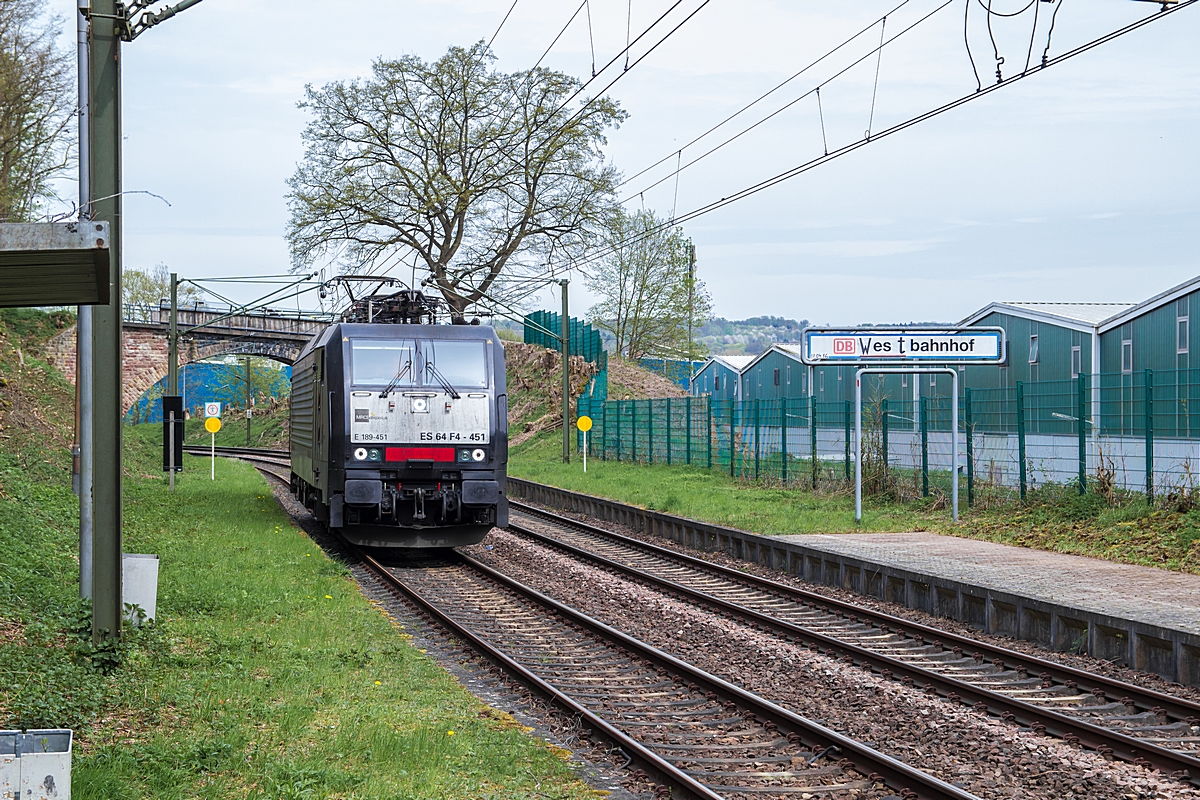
(895, 345)
(212, 409)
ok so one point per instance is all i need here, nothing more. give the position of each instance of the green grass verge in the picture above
(267, 675)
(1053, 518)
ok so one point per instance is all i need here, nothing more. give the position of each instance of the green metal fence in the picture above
(1137, 432)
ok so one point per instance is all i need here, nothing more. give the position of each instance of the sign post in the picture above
(584, 424)
(212, 424)
(903, 351)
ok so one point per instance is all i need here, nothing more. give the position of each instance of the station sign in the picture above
(903, 346)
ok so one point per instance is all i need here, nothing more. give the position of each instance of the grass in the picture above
(267, 673)
(1053, 518)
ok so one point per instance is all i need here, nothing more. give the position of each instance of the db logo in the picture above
(843, 347)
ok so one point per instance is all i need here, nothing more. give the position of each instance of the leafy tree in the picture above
(478, 175)
(37, 107)
(649, 291)
(145, 289)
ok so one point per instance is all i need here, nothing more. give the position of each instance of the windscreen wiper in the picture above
(405, 367)
(429, 367)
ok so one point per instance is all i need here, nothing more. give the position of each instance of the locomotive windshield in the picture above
(461, 363)
(380, 362)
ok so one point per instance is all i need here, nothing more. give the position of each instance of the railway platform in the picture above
(1144, 617)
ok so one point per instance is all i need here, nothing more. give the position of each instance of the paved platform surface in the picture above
(1144, 594)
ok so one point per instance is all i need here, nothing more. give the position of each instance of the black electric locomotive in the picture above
(399, 428)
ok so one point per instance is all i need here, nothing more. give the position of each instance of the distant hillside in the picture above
(748, 336)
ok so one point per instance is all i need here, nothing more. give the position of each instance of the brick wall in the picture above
(144, 355)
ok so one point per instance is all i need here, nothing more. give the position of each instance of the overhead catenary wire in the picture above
(878, 63)
(793, 102)
(762, 96)
(898, 127)
(560, 33)
(501, 25)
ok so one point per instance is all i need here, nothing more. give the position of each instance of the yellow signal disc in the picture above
(584, 423)
(212, 424)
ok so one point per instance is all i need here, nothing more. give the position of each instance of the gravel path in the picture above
(983, 756)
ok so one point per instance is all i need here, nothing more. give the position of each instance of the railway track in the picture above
(692, 733)
(1117, 719)
(689, 731)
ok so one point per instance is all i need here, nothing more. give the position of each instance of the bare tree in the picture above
(37, 108)
(479, 175)
(648, 288)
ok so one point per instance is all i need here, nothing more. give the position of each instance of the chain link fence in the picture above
(1127, 432)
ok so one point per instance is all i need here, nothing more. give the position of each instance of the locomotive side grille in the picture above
(302, 405)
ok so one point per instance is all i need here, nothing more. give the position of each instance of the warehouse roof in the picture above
(791, 351)
(1170, 295)
(1080, 316)
(735, 363)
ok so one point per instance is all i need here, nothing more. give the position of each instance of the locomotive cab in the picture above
(409, 436)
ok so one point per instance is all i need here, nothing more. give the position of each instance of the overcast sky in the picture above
(1078, 183)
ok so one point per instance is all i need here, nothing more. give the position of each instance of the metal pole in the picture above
(688, 441)
(173, 340)
(1021, 436)
(691, 299)
(564, 331)
(1082, 426)
(969, 428)
(83, 324)
(708, 428)
(650, 431)
(104, 133)
(171, 449)
(247, 362)
(812, 439)
(1149, 404)
(213, 474)
(668, 431)
(783, 424)
(858, 446)
(732, 442)
(756, 430)
(847, 443)
(883, 425)
(954, 448)
(585, 433)
(924, 446)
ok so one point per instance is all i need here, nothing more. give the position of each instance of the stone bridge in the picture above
(275, 335)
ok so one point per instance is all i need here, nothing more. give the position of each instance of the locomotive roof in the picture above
(390, 330)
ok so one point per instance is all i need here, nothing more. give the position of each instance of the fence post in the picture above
(604, 431)
(757, 406)
(883, 425)
(812, 435)
(668, 431)
(849, 418)
(708, 427)
(1082, 424)
(1021, 435)
(650, 431)
(687, 443)
(633, 451)
(783, 441)
(1149, 397)
(969, 429)
(620, 437)
(924, 446)
(732, 442)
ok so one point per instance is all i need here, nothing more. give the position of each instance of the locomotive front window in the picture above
(462, 363)
(380, 362)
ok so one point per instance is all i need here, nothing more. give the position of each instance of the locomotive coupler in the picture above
(419, 504)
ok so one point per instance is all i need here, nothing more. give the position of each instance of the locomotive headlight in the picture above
(375, 454)
(464, 454)
(478, 454)
(360, 454)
